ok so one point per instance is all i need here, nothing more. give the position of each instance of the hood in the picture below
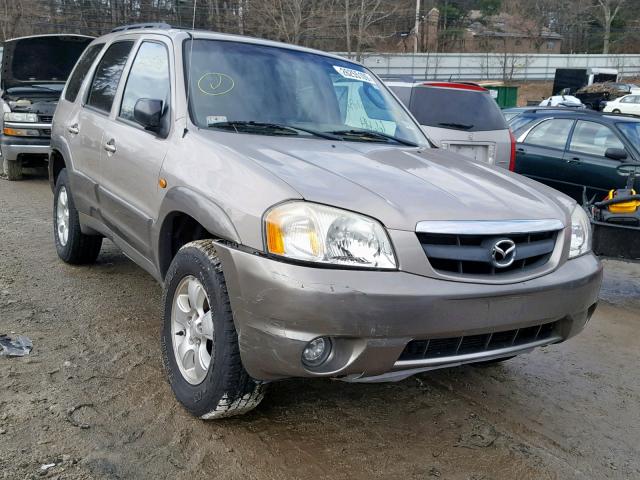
(40, 59)
(398, 186)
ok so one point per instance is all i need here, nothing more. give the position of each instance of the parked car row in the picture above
(309, 227)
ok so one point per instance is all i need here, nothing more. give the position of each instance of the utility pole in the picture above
(416, 28)
(347, 21)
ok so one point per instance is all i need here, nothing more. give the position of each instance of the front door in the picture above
(586, 159)
(540, 154)
(132, 156)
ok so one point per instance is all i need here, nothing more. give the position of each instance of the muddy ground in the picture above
(566, 411)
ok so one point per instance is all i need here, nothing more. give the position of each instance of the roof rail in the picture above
(562, 109)
(139, 26)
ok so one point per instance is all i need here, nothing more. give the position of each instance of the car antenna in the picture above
(193, 27)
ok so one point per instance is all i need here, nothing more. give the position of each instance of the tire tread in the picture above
(241, 393)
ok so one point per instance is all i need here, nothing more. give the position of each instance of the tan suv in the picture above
(299, 220)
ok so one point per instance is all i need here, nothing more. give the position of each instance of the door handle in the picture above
(110, 146)
(73, 129)
(573, 160)
(522, 150)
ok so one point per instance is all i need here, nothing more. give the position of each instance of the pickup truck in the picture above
(34, 71)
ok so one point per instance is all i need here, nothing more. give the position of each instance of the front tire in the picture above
(72, 245)
(200, 350)
(12, 169)
(616, 111)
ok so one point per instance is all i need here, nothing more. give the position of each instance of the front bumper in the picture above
(12, 147)
(372, 315)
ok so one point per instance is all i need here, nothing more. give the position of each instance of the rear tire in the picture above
(616, 111)
(72, 245)
(12, 169)
(200, 350)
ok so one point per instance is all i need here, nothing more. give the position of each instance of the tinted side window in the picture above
(593, 139)
(459, 109)
(107, 76)
(83, 66)
(551, 133)
(148, 78)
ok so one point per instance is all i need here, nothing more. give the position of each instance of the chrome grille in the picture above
(486, 342)
(467, 254)
(45, 118)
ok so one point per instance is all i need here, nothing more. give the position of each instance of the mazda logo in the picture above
(503, 253)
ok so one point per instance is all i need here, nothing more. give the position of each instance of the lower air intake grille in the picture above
(486, 342)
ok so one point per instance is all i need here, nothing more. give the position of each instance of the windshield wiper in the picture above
(372, 135)
(240, 125)
(460, 126)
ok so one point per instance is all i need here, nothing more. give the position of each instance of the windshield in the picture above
(509, 115)
(631, 131)
(233, 83)
(519, 122)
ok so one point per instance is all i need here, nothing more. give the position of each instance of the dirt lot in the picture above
(563, 412)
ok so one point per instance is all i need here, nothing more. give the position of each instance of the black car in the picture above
(568, 149)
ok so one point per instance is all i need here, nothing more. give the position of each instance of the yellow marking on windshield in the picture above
(215, 84)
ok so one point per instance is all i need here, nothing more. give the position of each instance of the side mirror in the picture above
(148, 112)
(616, 154)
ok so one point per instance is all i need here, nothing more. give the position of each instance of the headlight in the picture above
(580, 233)
(317, 233)
(20, 117)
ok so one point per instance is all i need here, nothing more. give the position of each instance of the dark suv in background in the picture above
(569, 150)
(34, 71)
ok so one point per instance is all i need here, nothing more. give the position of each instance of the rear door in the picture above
(94, 115)
(132, 156)
(465, 120)
(635, 104)
(68, 111)
(628, 104)
(587, 164)
(540, 153)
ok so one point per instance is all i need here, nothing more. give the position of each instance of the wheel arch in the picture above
(187, 216)
(56, 163)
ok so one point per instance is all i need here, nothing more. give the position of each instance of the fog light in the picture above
(316, 351)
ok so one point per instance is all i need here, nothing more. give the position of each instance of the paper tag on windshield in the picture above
(213, 119)
(355, 74)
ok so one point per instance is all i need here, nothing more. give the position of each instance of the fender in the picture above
(210, 215)
(60, 145)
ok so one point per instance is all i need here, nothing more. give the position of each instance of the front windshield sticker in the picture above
(215, 84)
(213, 119)
(355, 75)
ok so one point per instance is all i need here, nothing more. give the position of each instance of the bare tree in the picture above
(369, 13)
(292, 21)
(609, 10)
